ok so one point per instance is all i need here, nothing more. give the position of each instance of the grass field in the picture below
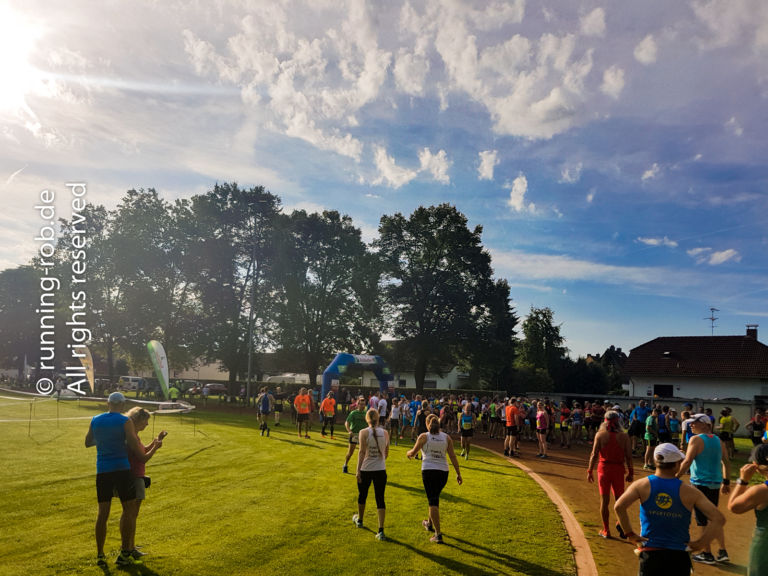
(225, 500)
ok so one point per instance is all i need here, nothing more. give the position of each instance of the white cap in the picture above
(116, 398)
(700, 417)
(667, 453)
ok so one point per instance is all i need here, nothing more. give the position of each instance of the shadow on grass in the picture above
(450, 563)
(491, 555)
(443, 496)
(299, 442)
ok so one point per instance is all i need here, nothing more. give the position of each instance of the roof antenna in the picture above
(712, 318)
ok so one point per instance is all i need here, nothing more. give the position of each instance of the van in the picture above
(129, 382)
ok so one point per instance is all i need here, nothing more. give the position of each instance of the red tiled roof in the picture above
(702, 356)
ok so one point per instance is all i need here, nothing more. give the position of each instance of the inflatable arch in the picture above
(339, 365)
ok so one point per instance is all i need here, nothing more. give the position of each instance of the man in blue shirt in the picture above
(665, 515)
(114, 434)
(710, 468)
(637, 420)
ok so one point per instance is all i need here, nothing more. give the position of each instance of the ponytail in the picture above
(433, 424)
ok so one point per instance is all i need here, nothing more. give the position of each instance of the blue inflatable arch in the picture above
(339, 365)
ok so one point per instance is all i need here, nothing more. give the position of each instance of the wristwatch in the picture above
(741, 482)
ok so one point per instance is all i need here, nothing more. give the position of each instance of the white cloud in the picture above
(591, 195)
(571, 173)
(488, 161)
(517, 192)
(657, 242)
(390, 174)
(593, 24)
(437, 164)
(734, 127)
(410, 72)
(646, 50)
(698, 252)
(724, 256)
(651, 172)
(613, 82)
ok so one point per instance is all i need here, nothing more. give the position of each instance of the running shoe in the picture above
(306, 435)
(427, 526)
(722, 556)
(127, 559)
(620, 531)
(647, 467)
(101, 560)
(137, 553)
(604, 534)
(357, 521)
(506, 452)
(345, 469)
(704, 558)
(462, 453)
(437, 539)
(380, 536)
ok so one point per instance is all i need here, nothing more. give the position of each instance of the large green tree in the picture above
(330, 289)
(543, 347)
(20, 324)
(437, 275)
(231, 259)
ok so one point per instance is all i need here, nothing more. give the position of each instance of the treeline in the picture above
(225, 275)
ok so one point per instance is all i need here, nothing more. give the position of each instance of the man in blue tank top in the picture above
(114, 434)
(665, 515)
(710, 469)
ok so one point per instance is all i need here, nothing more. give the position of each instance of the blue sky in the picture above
(615, 156)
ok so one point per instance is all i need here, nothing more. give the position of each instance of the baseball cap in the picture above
(703, 418)
(667, 453)
(116, 398)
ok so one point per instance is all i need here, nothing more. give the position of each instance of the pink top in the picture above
(137, 466)
(542, 420)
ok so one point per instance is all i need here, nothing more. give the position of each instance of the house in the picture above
(707, 367)
(453, 378)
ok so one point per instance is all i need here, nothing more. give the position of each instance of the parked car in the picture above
(213, 388)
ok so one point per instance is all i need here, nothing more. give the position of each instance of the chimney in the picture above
(752, 331)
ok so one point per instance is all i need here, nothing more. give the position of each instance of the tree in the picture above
(437, 274)
(20, 324)
(330, 288)
(490, 353)
(231, 259)
(543, 347)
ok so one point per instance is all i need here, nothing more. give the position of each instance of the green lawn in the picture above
(225, 500)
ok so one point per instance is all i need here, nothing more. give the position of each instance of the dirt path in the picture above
(566, 472)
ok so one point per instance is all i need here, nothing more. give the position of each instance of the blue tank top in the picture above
(466, 421)
(109, 434)
(706, 469)
(265, 403)
(664, 521)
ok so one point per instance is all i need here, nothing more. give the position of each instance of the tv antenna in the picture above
(712, 318)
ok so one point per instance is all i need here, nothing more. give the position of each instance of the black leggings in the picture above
(379, 479)
(434, 482)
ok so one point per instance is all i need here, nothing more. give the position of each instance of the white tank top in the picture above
(433, 452)
(373, 459)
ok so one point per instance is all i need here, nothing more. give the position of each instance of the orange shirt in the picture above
(328, 406)
(303, 403)
(511, 413)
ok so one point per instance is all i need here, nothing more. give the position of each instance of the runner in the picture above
(651, 438)
(303, 405)
(710, 468)
(434, 446)
(755, 498)
(466, 429)
(542, 427)
(577, 420)
(512, 431)
(328, 412)
(394, 419)
(371, 468)
(279, 398)
(265, 403)
(611, 451)
(565, 420)
(665, 516)
(354, 423)
(756, 427)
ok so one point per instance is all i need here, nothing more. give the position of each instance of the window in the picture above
(663, 390)
(430, 383)
(401, 383)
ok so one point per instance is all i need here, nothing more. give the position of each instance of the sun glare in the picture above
(17, 77)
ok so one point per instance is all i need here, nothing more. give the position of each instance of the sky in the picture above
(615, 154)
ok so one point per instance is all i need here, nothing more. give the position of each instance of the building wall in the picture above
(449, 381)
(744, 389)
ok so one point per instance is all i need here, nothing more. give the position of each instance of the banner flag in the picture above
(160, 363)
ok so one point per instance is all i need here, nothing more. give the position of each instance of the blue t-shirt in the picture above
(706, 468)
(109, 435)
(664, 521)
(641, 413)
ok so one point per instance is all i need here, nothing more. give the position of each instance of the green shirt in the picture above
(356, 420)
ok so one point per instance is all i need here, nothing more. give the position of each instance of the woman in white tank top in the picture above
(371, 468)
(435, 445)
